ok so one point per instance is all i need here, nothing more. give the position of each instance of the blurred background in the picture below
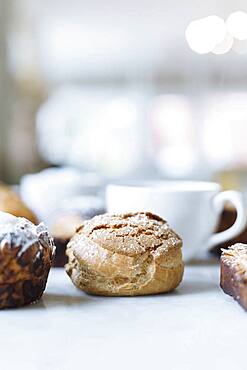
(133, 88)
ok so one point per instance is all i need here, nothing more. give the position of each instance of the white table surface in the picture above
(195, 327)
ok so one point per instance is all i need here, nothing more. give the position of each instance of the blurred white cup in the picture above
(45, 192)
(192, 209)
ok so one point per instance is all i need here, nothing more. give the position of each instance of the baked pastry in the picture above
(10, 202)
(125, 255)
(233, 274)
(26, 253)
(72, 214)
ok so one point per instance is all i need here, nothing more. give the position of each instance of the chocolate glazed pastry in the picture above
(26, 253)
(233, 276)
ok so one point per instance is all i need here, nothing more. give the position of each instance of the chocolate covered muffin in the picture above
(125, 255)
(26, 253)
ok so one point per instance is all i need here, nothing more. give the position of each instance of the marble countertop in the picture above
(195, 327)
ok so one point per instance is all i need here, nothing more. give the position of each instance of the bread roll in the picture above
(125, 255)
(10, 202)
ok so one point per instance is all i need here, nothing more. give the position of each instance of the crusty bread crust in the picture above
(10, 202)
(125, 255)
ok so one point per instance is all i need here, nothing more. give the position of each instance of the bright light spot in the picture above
(237, 25)
(224, 46)
(240, 46)
(204, 34)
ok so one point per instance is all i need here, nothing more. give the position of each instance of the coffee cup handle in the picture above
(237, 199)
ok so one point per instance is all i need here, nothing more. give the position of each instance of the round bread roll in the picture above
(125, 255)
(26, 253)
(10, 202)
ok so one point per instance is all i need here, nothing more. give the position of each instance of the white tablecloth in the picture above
(195, 327)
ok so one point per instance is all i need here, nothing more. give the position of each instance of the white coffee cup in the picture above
(192, 209)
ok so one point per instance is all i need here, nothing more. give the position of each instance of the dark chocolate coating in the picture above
(60, 258)
(24, 268)
(233, 281)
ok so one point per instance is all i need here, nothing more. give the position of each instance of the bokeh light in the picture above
(224, 46)
(237, 25)
(204, 34)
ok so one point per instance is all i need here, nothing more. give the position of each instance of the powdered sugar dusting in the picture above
(130, 234)
(236, 256)
(23, 233)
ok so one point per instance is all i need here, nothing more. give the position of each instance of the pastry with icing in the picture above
(233, 272)
(125, 255)
(26, 253)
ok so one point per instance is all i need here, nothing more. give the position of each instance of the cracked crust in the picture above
(126, 254)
